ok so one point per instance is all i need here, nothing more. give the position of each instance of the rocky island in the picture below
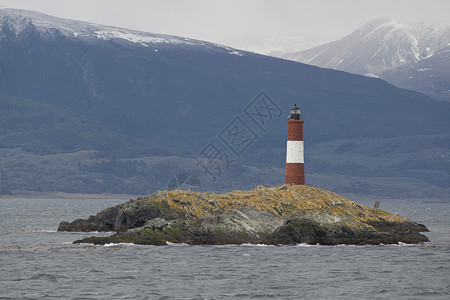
(282, 215)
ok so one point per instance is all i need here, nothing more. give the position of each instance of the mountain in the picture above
(105, 109)
(430, 75)
(43, 129)
(398, 53)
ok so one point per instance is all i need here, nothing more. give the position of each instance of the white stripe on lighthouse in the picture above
(294, 153)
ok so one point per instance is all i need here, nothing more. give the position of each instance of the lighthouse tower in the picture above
(295, 168)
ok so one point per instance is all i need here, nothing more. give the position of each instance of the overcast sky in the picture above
(262, 25)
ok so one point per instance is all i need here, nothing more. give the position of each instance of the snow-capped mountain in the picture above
(17, 21)
(123, 101)
(430, 75)
(381, 46)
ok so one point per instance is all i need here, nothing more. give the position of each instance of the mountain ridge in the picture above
(384, 48)
(185, 98)
(20, 19)
(385, 37)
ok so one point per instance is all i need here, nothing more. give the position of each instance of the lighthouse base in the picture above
(295, 174)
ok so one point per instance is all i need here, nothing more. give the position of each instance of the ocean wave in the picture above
(257, 245)
(87, 244)
(176, 244)
(21, 230)
(92, 232)
(44, 230)
(118, 244)
(400, 244)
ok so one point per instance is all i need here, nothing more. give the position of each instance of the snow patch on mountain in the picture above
(18, 20)
(137, 38)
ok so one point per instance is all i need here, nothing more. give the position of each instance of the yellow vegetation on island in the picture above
(281, 200)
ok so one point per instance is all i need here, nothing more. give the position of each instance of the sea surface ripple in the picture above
(37, 262)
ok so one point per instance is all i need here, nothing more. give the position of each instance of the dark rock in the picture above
(131, 214)
(158, 233)
(329, 230)
(236, 226)
(398, 226)
(82, 225)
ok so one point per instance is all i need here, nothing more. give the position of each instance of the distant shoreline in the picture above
(22, 195)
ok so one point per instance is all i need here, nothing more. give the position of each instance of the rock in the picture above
(236, 226)
(131, 214)
(170, 231)
(156, 224)
(328, 230)
(282, 215)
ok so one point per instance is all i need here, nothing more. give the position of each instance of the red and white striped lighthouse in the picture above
(295, 167)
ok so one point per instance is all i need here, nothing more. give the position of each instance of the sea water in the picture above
(37, 262)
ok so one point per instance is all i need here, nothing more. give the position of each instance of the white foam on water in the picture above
(44, 230)
(257, 245)
(400, 244)
(307, 245)
(118, 244)
(176, 244)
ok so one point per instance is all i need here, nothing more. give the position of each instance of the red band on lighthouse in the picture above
(295, 168)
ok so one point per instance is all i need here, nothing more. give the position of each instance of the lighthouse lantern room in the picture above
(295, 168)
(295, 113)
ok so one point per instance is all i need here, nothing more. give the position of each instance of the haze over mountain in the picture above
(94, 108)
(412, 56)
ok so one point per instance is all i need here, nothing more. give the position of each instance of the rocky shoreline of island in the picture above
(282, 215)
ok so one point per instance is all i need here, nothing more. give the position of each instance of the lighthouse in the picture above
(295, 167)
